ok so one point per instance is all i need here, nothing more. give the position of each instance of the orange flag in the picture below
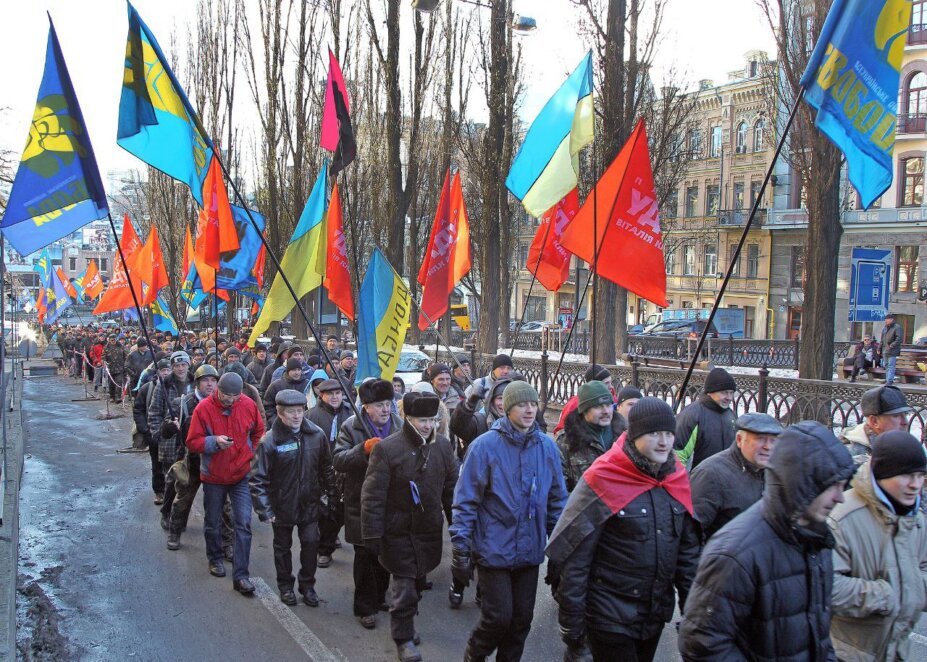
(630, 244)
(447, 258)
(148, 263)
(187, 252)
(216, 232)
(93, 282)
(337, 276)
(547, 259)
(118, 296)
(68, 285)
(259, 266)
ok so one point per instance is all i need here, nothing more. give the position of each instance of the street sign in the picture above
(870, 284)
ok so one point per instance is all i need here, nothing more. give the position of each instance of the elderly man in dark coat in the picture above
(408, 491)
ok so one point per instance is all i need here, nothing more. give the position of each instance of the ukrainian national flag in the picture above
(382, 321)
(191, 289)
(161, 315)
(57, 187)
(303, 262)
(852, 81)
(547, 164)
(156, 121)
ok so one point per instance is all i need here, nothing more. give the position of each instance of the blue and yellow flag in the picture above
(162, 317)
(42, 266)
(57, 297)
(546, 167)
(382, 321)
(236, 269)
(191, 290)
(852, 81)
(156, 121)
(57, 187)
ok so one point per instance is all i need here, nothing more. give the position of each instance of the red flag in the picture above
(547, 259)
(216, 232)
(148, 262)
(337, 276)
(118, 296)
(259, 266)
(93, 282)
(628, 224)
(447, 258)
(68, 285)
(187, 253)
(337, 132)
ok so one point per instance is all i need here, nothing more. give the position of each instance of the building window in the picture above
(738, 196)
(715, 141)
(753, 260)
(695, 143)
(913, 173)
(741, 137)
(522, 255)
(755, 191)
(917, 95)
(691, 201)
(104, 267)
(797, 270)
(711, 260)
(535, 309)
(72, 264)
(906, 274)
(749, 321)
(688, 260)
(671, 261)
(712, 200)
(730, 260)
(671, 206)
(876, 204)
(907, 326)
(758, 130)
(918, 30)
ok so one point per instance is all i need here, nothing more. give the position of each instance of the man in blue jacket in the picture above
(508, 498)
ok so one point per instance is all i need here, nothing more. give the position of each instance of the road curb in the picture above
(9, 530)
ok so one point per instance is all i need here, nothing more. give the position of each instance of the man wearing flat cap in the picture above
(291, 471)
(407, 493)
(726, 484)
(884, 409)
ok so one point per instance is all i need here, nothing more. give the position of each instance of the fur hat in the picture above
(375, 390)
(420, 405)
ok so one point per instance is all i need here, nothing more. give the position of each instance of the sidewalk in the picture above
(12, 451)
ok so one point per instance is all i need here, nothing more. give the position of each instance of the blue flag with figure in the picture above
(57, 297)
(156, 121)
(191, 290)
(236, 269)
(57, 188)
(852, 81)
(162, 317)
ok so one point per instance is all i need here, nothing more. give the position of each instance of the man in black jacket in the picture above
(140, 416)
(764, 582)
(292, 379)
(892, 337)
(408, 491)
(706, 426)
(291, 471)
(137, 360)
(726, 484)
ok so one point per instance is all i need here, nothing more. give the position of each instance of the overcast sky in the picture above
(703, 39)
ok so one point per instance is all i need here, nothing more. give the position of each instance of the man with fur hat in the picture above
(407, 492)
(502, 367)
(291, 472)
(589, 431)
(706, 426)
(885, 408)
(356, 440)
(627, 543)
(507, 501)
(764, 582)
(880, 557)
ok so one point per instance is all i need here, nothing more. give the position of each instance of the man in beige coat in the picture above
(880, 558)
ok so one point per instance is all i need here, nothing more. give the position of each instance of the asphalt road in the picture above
(92, 545)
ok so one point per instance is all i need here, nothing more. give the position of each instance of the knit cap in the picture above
(293, 364)
(629, 393)
(895, 453)
(719, 379)
(231, 384)
(593, 394)
(516, 393)
(501, 360)
(595, 372)
(650, 415)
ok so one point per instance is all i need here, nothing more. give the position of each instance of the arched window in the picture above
(741, 137)
(758, 130)
(917, 95)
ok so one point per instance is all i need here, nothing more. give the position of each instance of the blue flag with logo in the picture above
(191, 290)
(57, 188)
(236, 269)
(58, 298)
(852, 81)
(162, 317)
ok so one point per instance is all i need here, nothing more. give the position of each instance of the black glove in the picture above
(169, 429)
(374, 545)
(461, 568)
(576, 650)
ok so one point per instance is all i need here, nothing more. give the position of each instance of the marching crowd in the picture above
(775, 542)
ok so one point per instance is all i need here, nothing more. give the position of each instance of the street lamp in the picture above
(520, 24)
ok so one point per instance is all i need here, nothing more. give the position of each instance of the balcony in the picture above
(738, 217)
(917, 35)
(912, 122)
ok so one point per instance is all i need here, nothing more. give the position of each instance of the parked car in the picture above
(681, 329)
(635, 330)
(537, 327)
(411, 364)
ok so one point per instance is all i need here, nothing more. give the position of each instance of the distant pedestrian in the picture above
(706, 426)
(884, 409)
(892, 337)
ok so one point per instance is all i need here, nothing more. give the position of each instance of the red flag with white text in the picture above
(548, 260)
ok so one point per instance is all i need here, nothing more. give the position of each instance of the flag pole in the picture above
(595, 261)
(125, 268)
(289, 286)
(681, 394)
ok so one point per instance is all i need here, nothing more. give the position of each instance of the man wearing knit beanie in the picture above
(879, 595)
(706, 426)
(588, 432)
(502, 367)
(595, 373)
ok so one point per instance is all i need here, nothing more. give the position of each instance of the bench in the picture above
(907, 369)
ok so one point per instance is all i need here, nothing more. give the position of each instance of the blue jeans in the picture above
(213, 499)
(890, 369)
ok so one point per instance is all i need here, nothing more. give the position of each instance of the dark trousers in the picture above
(308, 533)
(859, 364)
(169, 489)
(114, 393)
(214, 496)
(506, 612)
(370, 582)
(405, 592)
(157, 473)
(329, 526)
(612, 647)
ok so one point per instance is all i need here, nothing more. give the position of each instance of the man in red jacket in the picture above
(225, 430)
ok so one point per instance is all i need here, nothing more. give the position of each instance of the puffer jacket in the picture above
(289, 474)
(410, 534)
(764, 582)
(241, 422)
(880, 580)
(351, 461)
(724, 486)
(703, 428)
(579, 446)
(509, 496)
(858, 440)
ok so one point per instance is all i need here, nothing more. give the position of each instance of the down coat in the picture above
(703, 428)
(764, 582)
